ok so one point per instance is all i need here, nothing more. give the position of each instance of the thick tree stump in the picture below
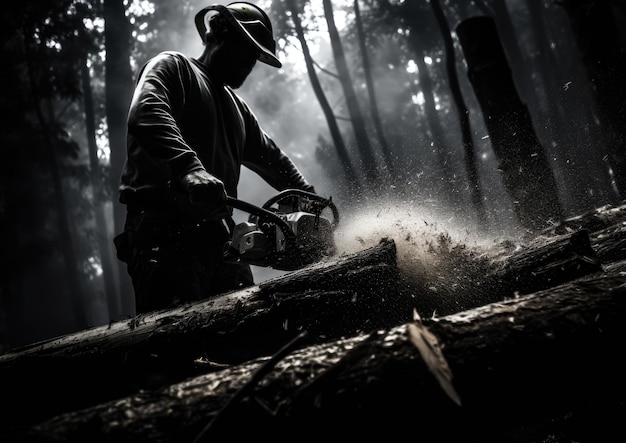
(480, 375)
(340, 297)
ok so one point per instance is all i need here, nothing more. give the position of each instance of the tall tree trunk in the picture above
(528, 82)
(527, 174)
(356, 116)
(466, 133)
(584, 189)
(599, 30)
(119, 90)
(11, 294)
(335, 133)
(104, 241)
(65, 237)
(439, 144)
(369, 82)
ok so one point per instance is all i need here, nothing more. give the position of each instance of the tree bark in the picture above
(464, 279)
(352, 177)
(104, 241)
(526, 171)
(487, 372)
(119, 91)
(466, 131)
(369, 160)
(371, 93)
(607, 231)
(547, 263)
(329, 300)
(594, 220)
(573, 122)
(66, 245)
(346, 296)
(439, 142)
(598, 29)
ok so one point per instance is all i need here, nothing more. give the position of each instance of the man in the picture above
(188, 136)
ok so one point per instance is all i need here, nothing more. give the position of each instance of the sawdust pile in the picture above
(441, 264)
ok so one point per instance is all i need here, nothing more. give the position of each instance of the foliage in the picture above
(44, 46)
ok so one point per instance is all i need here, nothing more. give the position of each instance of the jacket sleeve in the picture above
(155, 112)
(266, 159)
(275, 167)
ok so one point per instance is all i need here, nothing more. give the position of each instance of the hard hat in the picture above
(248, 19)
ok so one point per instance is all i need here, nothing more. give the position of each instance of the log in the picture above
(462, 278)
(349, 295)
(548, 262)
(607, 227)
(610, 243)
(331, 299)
(594, 220)
(479, 375)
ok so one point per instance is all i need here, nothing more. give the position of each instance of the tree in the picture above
(46, 147)
(466, 133)
(119, 88)
(46, 40)
(102, 229)
(370, 162)
(598, 28)
(371, 92)
(352, 176)
(421, 41)
(526, 173)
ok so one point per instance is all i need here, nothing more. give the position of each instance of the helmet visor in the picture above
(249, 23)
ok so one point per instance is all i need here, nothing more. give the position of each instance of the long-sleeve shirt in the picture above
(180, 121)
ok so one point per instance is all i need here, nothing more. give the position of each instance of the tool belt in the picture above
(164, 224)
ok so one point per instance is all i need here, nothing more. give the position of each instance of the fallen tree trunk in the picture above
(607, 227)
(595, 220)
(484, 374)
(343, 297)
(331, 299)
(545, 263)
(465, 278)
(610, 243)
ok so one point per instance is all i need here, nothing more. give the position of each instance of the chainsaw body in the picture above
(290, 231)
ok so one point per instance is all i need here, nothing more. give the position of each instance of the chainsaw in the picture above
(290, 231)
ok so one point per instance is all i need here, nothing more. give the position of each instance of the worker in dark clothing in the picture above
(189, 134)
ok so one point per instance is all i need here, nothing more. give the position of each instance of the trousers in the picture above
(172, 261)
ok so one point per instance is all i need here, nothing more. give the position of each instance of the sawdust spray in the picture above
(443, 262)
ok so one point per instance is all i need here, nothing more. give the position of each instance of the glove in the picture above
(205, 191)
(309, 205)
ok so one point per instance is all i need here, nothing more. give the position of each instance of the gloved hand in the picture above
(312, 206)
(205, 190)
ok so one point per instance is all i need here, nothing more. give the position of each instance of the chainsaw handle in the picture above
(290, 236)
(311, 196)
